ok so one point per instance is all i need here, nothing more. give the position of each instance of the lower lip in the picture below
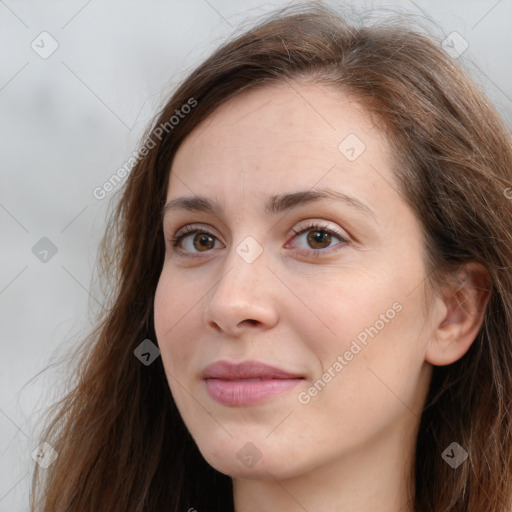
(240, 392)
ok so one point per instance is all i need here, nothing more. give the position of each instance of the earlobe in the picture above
(465, 301)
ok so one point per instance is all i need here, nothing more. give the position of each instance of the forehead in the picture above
(282, 136)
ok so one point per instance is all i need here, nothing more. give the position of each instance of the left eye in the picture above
(318, 237)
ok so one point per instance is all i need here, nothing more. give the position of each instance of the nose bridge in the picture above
(243, 291)
(244, 268)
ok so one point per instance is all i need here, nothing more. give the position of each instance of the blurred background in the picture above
(79, 83)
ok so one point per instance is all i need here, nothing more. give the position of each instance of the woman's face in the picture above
(328, 290)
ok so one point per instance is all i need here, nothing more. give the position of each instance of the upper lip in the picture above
(226, 370)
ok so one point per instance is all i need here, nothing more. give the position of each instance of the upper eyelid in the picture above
(309, 225)
(172, 217)
(301, 225)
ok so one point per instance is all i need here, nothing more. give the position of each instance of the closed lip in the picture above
(226, 370)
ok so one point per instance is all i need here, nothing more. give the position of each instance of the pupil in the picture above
(318, 237)
(203, 242)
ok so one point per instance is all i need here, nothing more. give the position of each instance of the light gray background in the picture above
(71, 120)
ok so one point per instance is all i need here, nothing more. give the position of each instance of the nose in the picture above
(244, 298)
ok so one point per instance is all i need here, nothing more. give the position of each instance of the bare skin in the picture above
(302, 302)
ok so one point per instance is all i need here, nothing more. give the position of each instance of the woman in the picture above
(316, 235)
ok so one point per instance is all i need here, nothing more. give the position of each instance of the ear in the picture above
(465, 300)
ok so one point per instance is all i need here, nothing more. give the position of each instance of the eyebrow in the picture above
(275, 204)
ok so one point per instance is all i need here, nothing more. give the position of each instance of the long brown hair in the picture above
(121, 442)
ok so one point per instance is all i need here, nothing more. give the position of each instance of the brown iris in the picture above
(203, 241)
(319, 236)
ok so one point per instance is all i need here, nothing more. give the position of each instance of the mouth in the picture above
(246, 383)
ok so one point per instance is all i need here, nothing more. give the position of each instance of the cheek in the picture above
(369, 342)
(163, 312)
(364, 388)
(175, 297)
(173, 310)
(353, 305)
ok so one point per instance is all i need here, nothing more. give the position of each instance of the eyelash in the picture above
(188, 230)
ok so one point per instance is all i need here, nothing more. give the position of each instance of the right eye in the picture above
(203, 239)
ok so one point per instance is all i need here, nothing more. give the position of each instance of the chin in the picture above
(243, 459)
